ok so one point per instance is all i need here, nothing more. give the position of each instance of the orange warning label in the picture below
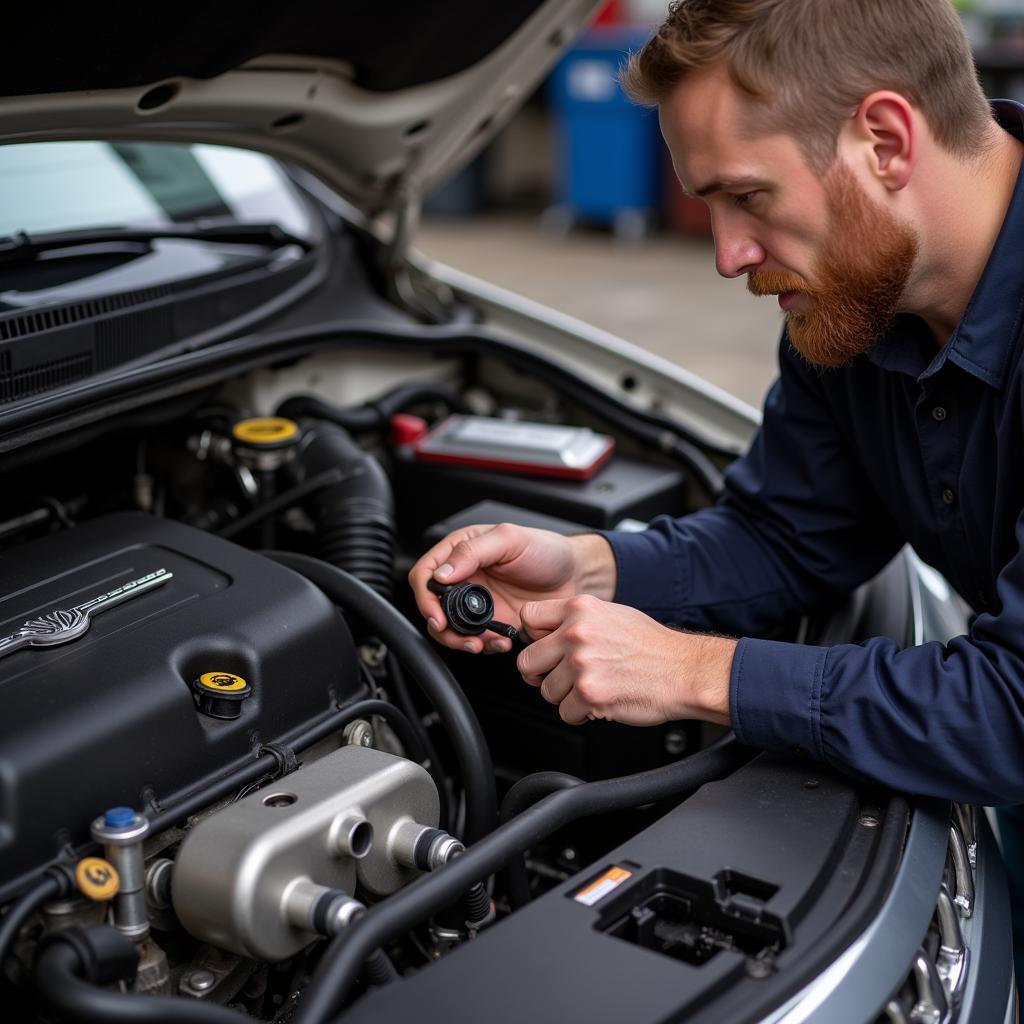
(600, 887)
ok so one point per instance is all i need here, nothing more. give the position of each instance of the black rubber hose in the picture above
(379, 969)
(61, 985)
(405, 701)
(346, 954)
(526, 792)
(375, 415)
(419, 658)
(355, 518)
(477, 904)
(56, 883)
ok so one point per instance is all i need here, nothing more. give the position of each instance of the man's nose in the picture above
(736, 253)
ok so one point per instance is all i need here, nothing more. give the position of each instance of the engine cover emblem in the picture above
(64, 624)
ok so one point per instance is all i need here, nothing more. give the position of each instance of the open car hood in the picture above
(379, 100)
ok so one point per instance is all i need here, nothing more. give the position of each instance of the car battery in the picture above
(433, 482)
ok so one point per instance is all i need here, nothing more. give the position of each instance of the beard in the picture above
(860, 279)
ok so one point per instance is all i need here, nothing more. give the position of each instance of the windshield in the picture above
(69, 186)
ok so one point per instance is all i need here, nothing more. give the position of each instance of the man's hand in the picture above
(516, 564)
(600, 660)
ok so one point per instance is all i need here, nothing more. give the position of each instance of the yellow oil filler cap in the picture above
(265, 431)
(97, 878)
(265, 443)
(220, 694)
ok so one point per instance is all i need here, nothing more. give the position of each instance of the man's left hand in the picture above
(595, 659)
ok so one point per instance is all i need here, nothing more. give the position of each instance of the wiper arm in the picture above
(23, 248)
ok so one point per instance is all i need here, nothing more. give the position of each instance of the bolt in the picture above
(359, 733)
(569, 854)
(373, 655)
(868, 820)
(758, 968)
(675, 742)
(200, 981)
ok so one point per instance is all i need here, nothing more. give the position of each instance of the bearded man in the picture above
(854, 169)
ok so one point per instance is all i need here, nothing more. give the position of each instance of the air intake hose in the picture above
(355, 518)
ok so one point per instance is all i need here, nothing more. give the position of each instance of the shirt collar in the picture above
(984, 339)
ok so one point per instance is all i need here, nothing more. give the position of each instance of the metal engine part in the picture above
(328, 823)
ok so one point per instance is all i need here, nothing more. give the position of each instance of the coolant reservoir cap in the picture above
(266, 432)
(220, 694)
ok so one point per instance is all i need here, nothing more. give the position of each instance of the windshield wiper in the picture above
(23, 248)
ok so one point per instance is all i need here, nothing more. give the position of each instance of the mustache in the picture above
(774, 282)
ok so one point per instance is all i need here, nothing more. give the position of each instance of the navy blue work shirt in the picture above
(910, 443)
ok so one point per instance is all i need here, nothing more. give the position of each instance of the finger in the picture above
(574, 710)
(428, 603)
(541, 617)
(497, 645)
(484, 547)
(557, 683)
(448, 637)
(540, 657)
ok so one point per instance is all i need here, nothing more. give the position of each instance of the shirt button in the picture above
(948, 496)
(939, 413)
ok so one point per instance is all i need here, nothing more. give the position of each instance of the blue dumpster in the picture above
(609, 149)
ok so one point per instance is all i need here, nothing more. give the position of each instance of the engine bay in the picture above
(227, 738)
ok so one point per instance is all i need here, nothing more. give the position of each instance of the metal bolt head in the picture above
(359, 733)
(758, 968)
(675, 742)
(868, 820)
(200, 981)
(373, 655)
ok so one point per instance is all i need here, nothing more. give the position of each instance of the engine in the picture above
(156, 656)
(237, 781)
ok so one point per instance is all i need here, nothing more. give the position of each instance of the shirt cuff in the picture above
(649, 573)
(775, 696)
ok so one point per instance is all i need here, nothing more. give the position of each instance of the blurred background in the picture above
(575, 205)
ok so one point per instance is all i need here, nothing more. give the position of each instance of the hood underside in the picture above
(380, 101)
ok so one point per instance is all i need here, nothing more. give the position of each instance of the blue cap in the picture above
(119, 817)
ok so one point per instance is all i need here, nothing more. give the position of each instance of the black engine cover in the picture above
(109, 718)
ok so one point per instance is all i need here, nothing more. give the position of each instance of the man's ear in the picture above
(884, 131)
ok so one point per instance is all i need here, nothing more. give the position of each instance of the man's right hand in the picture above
(517, 564)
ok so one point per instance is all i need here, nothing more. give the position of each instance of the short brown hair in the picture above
(811, 62)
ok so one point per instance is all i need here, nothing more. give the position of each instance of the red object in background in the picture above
(406, 429)
(686, 214)
(611, 14)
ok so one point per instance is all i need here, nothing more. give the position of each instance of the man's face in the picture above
(838, 260)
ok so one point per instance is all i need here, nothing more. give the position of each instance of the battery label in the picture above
(600, 887)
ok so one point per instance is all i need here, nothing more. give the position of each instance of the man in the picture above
(853, 168)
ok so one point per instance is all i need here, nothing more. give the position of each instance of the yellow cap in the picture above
(97, 878)
(265, 430)
(222, 682)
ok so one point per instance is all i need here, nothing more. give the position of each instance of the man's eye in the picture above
(744, 199)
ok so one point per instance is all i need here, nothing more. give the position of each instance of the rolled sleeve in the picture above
(775, 696)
